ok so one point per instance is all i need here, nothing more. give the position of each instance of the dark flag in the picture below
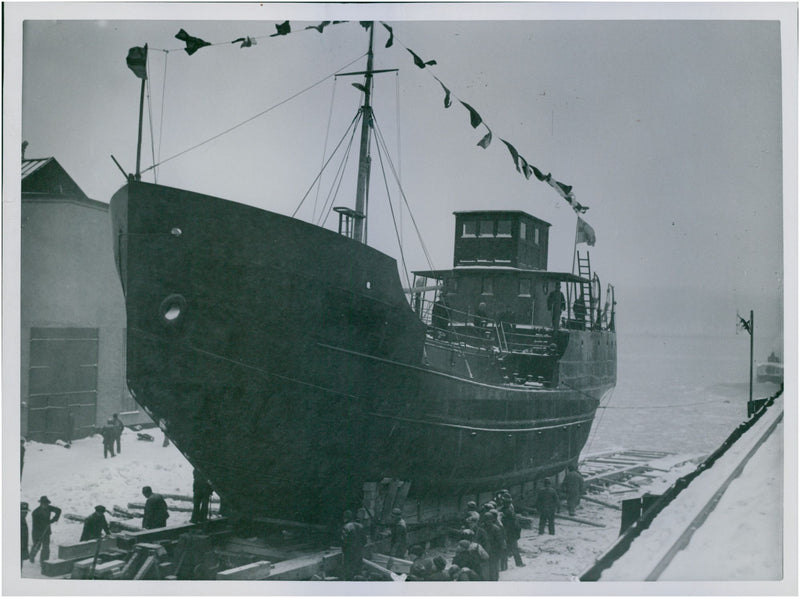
(744, 324)
(447, 101)
(193, 44)
(474, 118)
(419, 62)
(365, 24)
(247, 42)
(539, 174)
(514, 153)
(389, 41)
(282, 29)
(527, 169)
(137, 61)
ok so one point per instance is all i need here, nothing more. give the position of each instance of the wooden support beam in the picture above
(148, 564)
(129, 539)
(257, 570)
(305, 567)
(291, 524)
(173, 508)
(397, 565)
(577, 520)
(85, 549)
(600, 502)
(383, 571)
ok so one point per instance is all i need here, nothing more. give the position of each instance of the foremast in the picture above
(364, 159)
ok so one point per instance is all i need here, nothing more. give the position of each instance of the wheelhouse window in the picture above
(469, 228)
(536, 236)
(486, 285)
(504, 228)
(522, 230)
(525, 287)
(486, 228)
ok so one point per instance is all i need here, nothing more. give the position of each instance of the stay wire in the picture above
(333, 153)
(263, 112)
(379, 135)
(394, 219)
(150, 119)
(339, 178)
(163, 95)
(325, 146)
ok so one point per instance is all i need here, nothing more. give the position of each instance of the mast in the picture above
(364, 160)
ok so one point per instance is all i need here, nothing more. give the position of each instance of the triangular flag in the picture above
(419, 62)
(474, 118)
(282, 29)
(447, 101)
(527, 169)
(584, 233)
(539, 174)
(193, 44)
(319, 27)
(487, 139)
(514, 153)
(137, 61)
(389, 41)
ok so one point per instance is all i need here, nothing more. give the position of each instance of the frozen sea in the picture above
(678, 394)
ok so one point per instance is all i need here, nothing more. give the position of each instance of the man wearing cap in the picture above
(472, 517)
(399, 535)
(109, 434)
(41, 519)
(470, 555)
(155, 509)
(547, 502)
(512, 529)
(491, 537)
(95, 524)
(23, 507)
(353, 541)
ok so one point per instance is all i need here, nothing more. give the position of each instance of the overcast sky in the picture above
(670, 130)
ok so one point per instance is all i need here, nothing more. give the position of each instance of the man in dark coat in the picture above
(422, 566)
(556, 304)
(512, 528)
(470, 555)
(23, 525)
(201, 495)
(119, 427)
(353, 541)
(547, 504)
(109, 435)
(42, 520)
(573, 486)
(399, 535)
(492, 538)
(95, 524)
(155, 509)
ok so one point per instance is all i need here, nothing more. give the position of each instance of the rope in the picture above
(163, 95)
(244, 122)
(150, 119)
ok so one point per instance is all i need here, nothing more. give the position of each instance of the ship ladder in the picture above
(585, 272)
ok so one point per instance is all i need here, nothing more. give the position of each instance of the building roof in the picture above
(500, 213)
(45, 177)
(31, 165)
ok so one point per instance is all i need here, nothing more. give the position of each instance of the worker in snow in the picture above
(42, 518)
(472, 517)
(440, 574)
(95, 525)
(472, 556)
(491, 536)
(119, 427)
(512, 529)
(422, 566)
(573, 487)
(109, 434)
(399, 535)
(155, 509)
(201, 495)
(23, 525)
(547, 501)
(353, 541)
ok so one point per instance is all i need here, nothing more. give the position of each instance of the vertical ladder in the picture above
(585, 272)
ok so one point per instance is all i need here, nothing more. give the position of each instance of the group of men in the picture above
(489, 536)
(112, 435)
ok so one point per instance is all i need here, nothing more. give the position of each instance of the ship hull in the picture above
(285, 362)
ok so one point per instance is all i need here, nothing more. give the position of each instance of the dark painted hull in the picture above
(296, 370)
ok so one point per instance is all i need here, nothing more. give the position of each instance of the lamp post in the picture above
(749, 326)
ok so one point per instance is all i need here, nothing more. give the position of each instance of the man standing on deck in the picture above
(556, 304)
(573, 486)
(399, 535)
(41, 528)
(547, 504)
(353, 542)
(155, 509)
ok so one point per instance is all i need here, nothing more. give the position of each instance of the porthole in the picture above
(369, 285)
(172, 310)
(176, 232)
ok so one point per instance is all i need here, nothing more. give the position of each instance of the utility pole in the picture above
(749, 326)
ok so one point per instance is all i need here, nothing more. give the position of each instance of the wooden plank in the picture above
(392, 563)
(173, 508)
(383, 571)
(85, 549)
(128, 540)
(578, 520)
(148, 564)
(56, 567)
(257, 570)
(185, 497)
(600, 502)
(305, 567)
(291, 524)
